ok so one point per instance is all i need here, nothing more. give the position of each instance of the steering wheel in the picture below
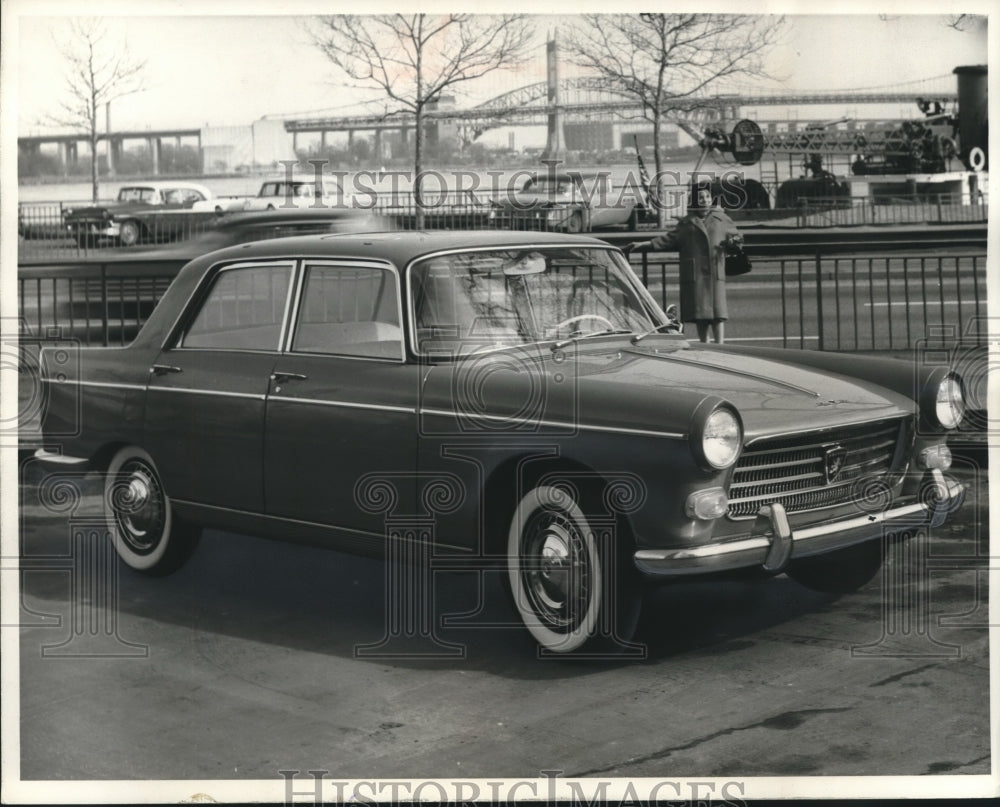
(555, 329)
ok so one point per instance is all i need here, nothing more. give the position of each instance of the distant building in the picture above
(263, 144)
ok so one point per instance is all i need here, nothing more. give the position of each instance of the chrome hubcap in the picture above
(555, 571)
(138, 503)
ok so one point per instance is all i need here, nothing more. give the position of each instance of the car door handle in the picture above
(279, 377)
(163, 369)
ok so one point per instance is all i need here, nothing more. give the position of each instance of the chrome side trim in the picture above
(334, 527)
(556, 424)
(110, 384)
(219, 393)
(409, 410)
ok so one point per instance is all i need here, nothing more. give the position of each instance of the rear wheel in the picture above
(839, 572)
(144, 531)
(558, 572)
(129, 232)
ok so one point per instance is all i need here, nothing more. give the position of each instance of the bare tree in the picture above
(99, 71)
(965, 22)
(666, 61)
(414, 58)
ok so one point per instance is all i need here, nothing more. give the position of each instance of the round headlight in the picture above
(721, 438)
(950, 402)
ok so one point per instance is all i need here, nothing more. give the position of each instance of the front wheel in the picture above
(144, 531)
(129, 232)
(559, 576)
(575, 223)
(839, 572)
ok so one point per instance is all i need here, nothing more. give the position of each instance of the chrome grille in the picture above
(792, 470)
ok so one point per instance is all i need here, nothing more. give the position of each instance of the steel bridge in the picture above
(589, 99)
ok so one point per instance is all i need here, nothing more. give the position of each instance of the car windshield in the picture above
(137, 195)
(470, 301)
(542, 185)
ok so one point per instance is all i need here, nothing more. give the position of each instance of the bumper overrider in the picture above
(772, 543)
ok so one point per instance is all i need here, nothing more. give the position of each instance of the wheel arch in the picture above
(502, 492)
(101, 459)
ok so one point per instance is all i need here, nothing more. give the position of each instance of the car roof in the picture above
(400, 247)
(569, 175)
(256, 218)
(166, 185)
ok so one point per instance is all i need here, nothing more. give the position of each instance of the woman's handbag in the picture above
(737, 263)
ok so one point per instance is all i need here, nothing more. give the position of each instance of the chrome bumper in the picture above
(772, 543)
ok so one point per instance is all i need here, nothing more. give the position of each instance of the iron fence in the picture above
(96, 303)
(45, 234)
(848, 303)
(942, 208)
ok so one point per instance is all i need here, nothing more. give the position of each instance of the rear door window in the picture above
(243, 310)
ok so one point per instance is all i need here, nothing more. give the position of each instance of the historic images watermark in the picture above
(61, 363)
(320, 787)
(361, 190)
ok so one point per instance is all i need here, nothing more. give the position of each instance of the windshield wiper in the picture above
(640, 336)
(570, 339)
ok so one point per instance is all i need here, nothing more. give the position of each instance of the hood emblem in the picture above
(834, 458)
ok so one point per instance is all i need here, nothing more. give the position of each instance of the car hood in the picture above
(656, 386)
(110, 207)
(533, 199)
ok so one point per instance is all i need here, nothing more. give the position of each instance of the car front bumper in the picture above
(105, 228)
(772, 543)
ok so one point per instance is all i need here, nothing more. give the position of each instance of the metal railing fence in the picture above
(44, 234)
(848, 303)
(940, 208)
(95, 303)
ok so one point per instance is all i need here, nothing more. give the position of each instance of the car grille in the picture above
(793, 470)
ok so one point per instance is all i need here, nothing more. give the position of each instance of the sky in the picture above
(226, 69)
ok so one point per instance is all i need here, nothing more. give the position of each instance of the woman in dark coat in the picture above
(703, 237)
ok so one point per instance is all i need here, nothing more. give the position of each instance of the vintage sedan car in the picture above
(475, 399)
(301, 192)
(570, 202)
(153, 211)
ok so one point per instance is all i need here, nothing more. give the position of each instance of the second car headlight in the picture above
(721, 438)
(949, 405)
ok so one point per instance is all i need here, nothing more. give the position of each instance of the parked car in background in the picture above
(299, 192)
(148, 211)
(244, 227)
(571, 202)
(476, 398)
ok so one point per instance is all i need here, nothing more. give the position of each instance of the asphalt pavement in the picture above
(260, 656)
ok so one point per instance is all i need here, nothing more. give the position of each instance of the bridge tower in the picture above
(555, 143)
